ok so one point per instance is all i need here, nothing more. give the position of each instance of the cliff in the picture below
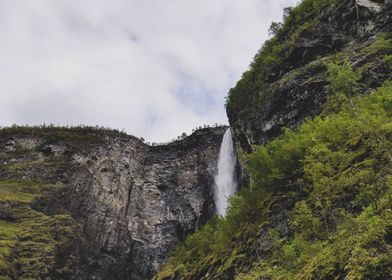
(122, 204)
(287, 81)
(312, 123)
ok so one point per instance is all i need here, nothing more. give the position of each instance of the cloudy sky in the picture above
(154, 68)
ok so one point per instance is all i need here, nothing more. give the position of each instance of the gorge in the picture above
(307, 154)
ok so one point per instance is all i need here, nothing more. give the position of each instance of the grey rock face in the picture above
(297, 87)
(134, 201)
(371, 5)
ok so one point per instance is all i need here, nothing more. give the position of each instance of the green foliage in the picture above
(78, 136)
(267, 161)
(335, 103)
(304, 223)
(338, 170)
(388, 61)
(251, 87)
(34, 245)
(331, 176)
(380, 45)
(342, 78)
(274, 28)
(302, 12)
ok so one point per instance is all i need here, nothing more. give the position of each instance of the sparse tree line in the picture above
(182, 136)
(33, 129)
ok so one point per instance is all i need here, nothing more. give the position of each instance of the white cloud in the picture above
(154, 68)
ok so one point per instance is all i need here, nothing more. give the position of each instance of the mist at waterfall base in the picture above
(225, 182)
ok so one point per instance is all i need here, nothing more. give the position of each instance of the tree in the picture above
(274, 28)
(286, 12)
(343, 78)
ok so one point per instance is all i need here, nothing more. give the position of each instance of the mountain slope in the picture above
(319, 204)
(287, 81)
(87, 203)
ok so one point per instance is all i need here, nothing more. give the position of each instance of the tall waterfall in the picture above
(225, 183)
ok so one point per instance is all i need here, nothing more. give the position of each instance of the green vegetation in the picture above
(252, 84)
(78, 136)
(388, 61)
(332, 177)
(342, 78)
(344, 84)
(35, 245)
(319, 205)
(381, 44)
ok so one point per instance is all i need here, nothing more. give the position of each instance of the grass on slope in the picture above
(77, 136)
(34, 245)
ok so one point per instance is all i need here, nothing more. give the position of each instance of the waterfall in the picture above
(225, 183)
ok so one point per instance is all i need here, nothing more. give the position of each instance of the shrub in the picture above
(338, 169)
(343, 78)
(380, 45)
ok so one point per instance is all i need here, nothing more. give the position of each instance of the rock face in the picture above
(370, 5)
(287, 83)
(297, 87)
(134, 201)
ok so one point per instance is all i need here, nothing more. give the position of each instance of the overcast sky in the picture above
(154, 68)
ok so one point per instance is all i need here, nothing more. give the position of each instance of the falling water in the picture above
(225, 183)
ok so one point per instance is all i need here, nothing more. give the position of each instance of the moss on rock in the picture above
(34, 245)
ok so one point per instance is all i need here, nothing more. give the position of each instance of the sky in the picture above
(154, 68)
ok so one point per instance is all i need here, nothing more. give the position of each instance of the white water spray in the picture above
(225, 183)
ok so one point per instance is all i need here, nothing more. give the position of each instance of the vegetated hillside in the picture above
(89, 203)
(36, 243)
(287, 81)
(39, 239)
(319, 205)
